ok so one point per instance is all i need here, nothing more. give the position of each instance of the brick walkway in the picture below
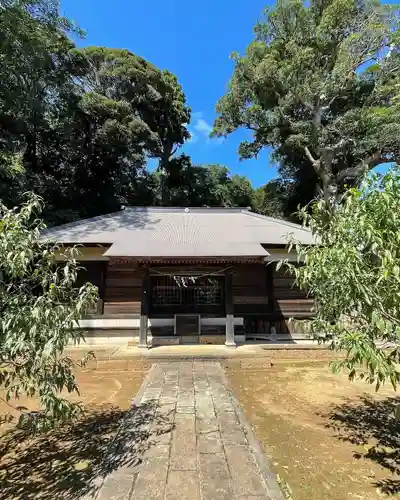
(186, 438)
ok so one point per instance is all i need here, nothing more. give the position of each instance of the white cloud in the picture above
(202, 129)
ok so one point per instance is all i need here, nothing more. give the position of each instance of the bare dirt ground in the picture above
(59, 463)
(327, 438)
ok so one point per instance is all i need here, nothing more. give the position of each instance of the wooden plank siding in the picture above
(286, 301)
(264, 296)
(92, 272)
(250, 289)
(123, 289)
(289, 300)
(160, 331)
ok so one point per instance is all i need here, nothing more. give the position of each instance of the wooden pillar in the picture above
(102, 290)
(271, 296)
(144, 309)
(230, 322)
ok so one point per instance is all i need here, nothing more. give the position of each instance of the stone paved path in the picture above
(186, 438)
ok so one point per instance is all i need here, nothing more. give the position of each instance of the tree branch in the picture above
(325, 174)
(317, 166)
(21, 409)
(360, 169)
(390, 317)
(327, 106)
(309, 155)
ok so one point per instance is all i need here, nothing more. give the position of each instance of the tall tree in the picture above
(270, 199)
(36, 71)
(241, 192)
(79, 125)
(296, 184)
(108, 141)
(320, 84)
(170, 124)
(207, 185)
(154, 103)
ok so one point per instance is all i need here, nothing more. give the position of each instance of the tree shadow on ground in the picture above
(69, 462)
(374, 425)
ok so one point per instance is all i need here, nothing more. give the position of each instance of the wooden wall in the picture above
(123, 289)
(250, 289)
(267, 297)
(264, 296)
(289, 300)
(160, 330)
(93, 272)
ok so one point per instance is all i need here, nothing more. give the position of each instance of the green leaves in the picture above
(80, 124)
(354, 277)
(40, 307)
(320, 86)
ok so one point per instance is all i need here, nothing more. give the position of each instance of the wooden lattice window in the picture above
(187, 290)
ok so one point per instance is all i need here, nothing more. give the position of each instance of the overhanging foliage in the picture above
(40, 307)
(354, 275)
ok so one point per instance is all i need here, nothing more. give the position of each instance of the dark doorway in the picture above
(187, 327)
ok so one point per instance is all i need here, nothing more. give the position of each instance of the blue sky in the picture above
(192, 40)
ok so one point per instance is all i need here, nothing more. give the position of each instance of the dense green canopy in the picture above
(79, 126)
(319, 84)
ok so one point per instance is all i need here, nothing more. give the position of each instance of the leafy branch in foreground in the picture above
(39, 308)
(354, 275)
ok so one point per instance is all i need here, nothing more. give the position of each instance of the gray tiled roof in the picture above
(181, 232)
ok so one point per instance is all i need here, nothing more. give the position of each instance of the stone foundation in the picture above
(134, 341)
(212, 339)
(157, 341)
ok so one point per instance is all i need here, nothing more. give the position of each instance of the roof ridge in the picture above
(179, 209)
(277, 221)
